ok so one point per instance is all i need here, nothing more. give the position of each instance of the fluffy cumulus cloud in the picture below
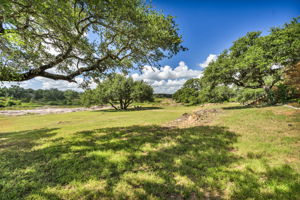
(166, 79)
(209, 59)
(45, 83)
(166, 72)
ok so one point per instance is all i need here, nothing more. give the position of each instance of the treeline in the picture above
(162, 95)
(15, 95)
(258, 68)
(192, 94)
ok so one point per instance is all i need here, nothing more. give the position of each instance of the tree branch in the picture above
(113, 105)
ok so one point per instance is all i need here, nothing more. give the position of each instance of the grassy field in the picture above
(242, 153)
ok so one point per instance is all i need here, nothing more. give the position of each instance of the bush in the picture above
(10, 103)
(219, 94)
(7, 102)
(282, 94)
(186, 95)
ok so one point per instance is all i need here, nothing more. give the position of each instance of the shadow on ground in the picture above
(129, 109)
(136, 162)
(247, 107)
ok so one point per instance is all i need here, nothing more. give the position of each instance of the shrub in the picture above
(283, 93)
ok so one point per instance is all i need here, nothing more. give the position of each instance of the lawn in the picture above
(242, 153)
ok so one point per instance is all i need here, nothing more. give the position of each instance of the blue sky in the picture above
(207, 28)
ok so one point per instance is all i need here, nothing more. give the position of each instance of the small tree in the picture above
(117, 89)
(186, 95)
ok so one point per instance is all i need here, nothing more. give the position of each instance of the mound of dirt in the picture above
(200, 117)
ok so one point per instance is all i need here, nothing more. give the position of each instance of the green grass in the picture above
(250, 153)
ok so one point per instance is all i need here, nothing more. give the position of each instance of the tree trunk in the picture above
(127, 103)
(121, 104)
(113, 105)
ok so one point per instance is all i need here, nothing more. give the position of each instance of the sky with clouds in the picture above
(163, 80)
(207, 27)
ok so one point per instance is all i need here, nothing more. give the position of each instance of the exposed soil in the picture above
(49, 110)
(200, 117)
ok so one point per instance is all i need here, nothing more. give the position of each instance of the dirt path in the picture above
(48, 110)
(292, 107)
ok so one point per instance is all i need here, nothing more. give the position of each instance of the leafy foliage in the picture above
(281, 94)
(218, 94)
(189, 92)
(196, 91)
(186, 95)
(7, 102)
(63, 39)
(245, 95)
(118, 88)
(254, 65)
(256, 61)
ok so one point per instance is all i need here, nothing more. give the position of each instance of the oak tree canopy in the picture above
(63, 39)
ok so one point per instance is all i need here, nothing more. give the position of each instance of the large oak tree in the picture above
(256, 61)
(63, 39)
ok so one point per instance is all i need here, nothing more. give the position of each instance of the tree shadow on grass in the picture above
(247, 107)
(24, 139)
(136, 162)
(129, 109)
(237, 107)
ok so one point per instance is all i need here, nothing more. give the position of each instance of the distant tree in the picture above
(186, 95)
(71, 97)
(197, 90)
(53, 96)
(217, 94)
(194, 83)
(118, 89)
(142, 92)
(89, 98)
(189, 92)
(53, 39)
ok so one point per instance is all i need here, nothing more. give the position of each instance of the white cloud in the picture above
(45, 83)
(166, 79)
(166, 72)
(209, 59)
(163, 80)
(60, 84)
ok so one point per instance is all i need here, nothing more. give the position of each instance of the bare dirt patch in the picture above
(49, 110)
(199, 117)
